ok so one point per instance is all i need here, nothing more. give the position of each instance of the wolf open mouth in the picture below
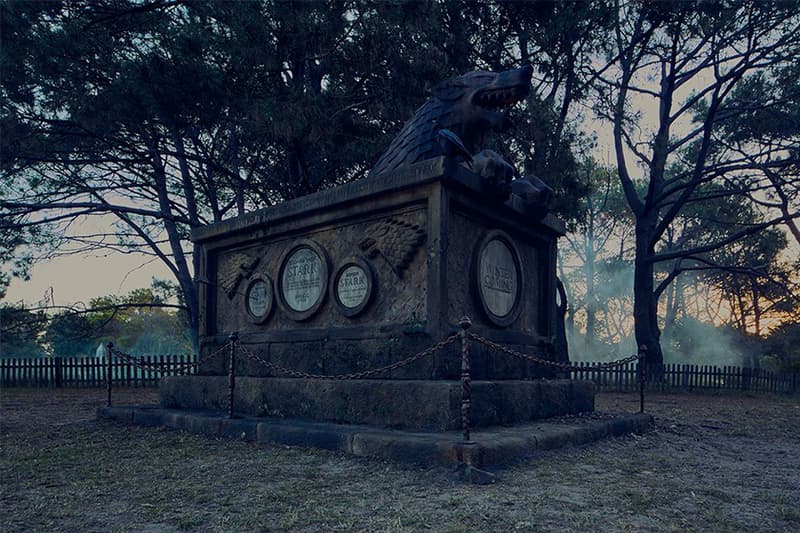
(500, 98)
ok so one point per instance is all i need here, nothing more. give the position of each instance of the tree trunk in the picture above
(569, 320)
(180, 268)
(194, 219)
(673, 307)
(645, 302)
(591, 307)
(756, 308)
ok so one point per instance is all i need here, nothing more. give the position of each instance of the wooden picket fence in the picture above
(90, 371)
(685, 377)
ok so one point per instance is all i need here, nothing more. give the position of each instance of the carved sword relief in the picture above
(233, 270)
(394, 240)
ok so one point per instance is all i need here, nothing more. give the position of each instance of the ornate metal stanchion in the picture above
(232, 372)
(109, 353)
(642, 375)
(466, 380)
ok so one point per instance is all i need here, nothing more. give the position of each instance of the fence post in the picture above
(109, 353)
(746, 377)
(232, 372)
(57, 370)
(466, 380)
(642, 375)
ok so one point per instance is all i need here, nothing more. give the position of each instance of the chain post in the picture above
(642, 375)
(232, 371)
(109, 353)
(466, 380)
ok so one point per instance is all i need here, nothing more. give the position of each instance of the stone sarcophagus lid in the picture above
(368, 273)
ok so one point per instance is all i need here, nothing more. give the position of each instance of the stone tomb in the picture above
(366, 274)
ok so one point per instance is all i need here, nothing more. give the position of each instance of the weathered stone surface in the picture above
(490, 447)
(417, 404)
(148, 417)
(400, 446)
(344, 356)
(176, 419)
(308, 435)
(418, 241)
(205, 425)
(301, 278)
(467, 228)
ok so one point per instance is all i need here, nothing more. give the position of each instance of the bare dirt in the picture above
(712, 463)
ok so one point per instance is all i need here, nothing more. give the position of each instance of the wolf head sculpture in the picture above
(470, 106)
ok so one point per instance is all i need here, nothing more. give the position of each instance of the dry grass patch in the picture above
(721, 463)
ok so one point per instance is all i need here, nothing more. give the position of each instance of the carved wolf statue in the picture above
(454, 123)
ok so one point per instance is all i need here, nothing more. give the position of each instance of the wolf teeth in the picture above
(499, 98)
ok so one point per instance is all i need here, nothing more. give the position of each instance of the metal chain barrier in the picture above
(151, 366)
(158, 366)
(537, 360)
(641, 357)
(463, 336)
(354, 375)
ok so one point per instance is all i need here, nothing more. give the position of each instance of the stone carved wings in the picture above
(394, 240)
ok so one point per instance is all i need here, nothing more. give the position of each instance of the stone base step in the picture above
(491, 447)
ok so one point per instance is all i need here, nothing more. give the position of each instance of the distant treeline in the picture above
(136, 323)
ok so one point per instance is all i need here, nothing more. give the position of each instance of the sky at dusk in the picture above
(79, 278)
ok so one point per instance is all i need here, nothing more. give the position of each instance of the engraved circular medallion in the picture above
(259, 298)
(351, 289)
(303, 280)
(498, 277)
(352, 286)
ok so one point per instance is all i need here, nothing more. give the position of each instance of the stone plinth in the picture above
(407, 404)
(370, 272)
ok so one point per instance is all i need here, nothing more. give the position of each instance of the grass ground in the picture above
(712, 463)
